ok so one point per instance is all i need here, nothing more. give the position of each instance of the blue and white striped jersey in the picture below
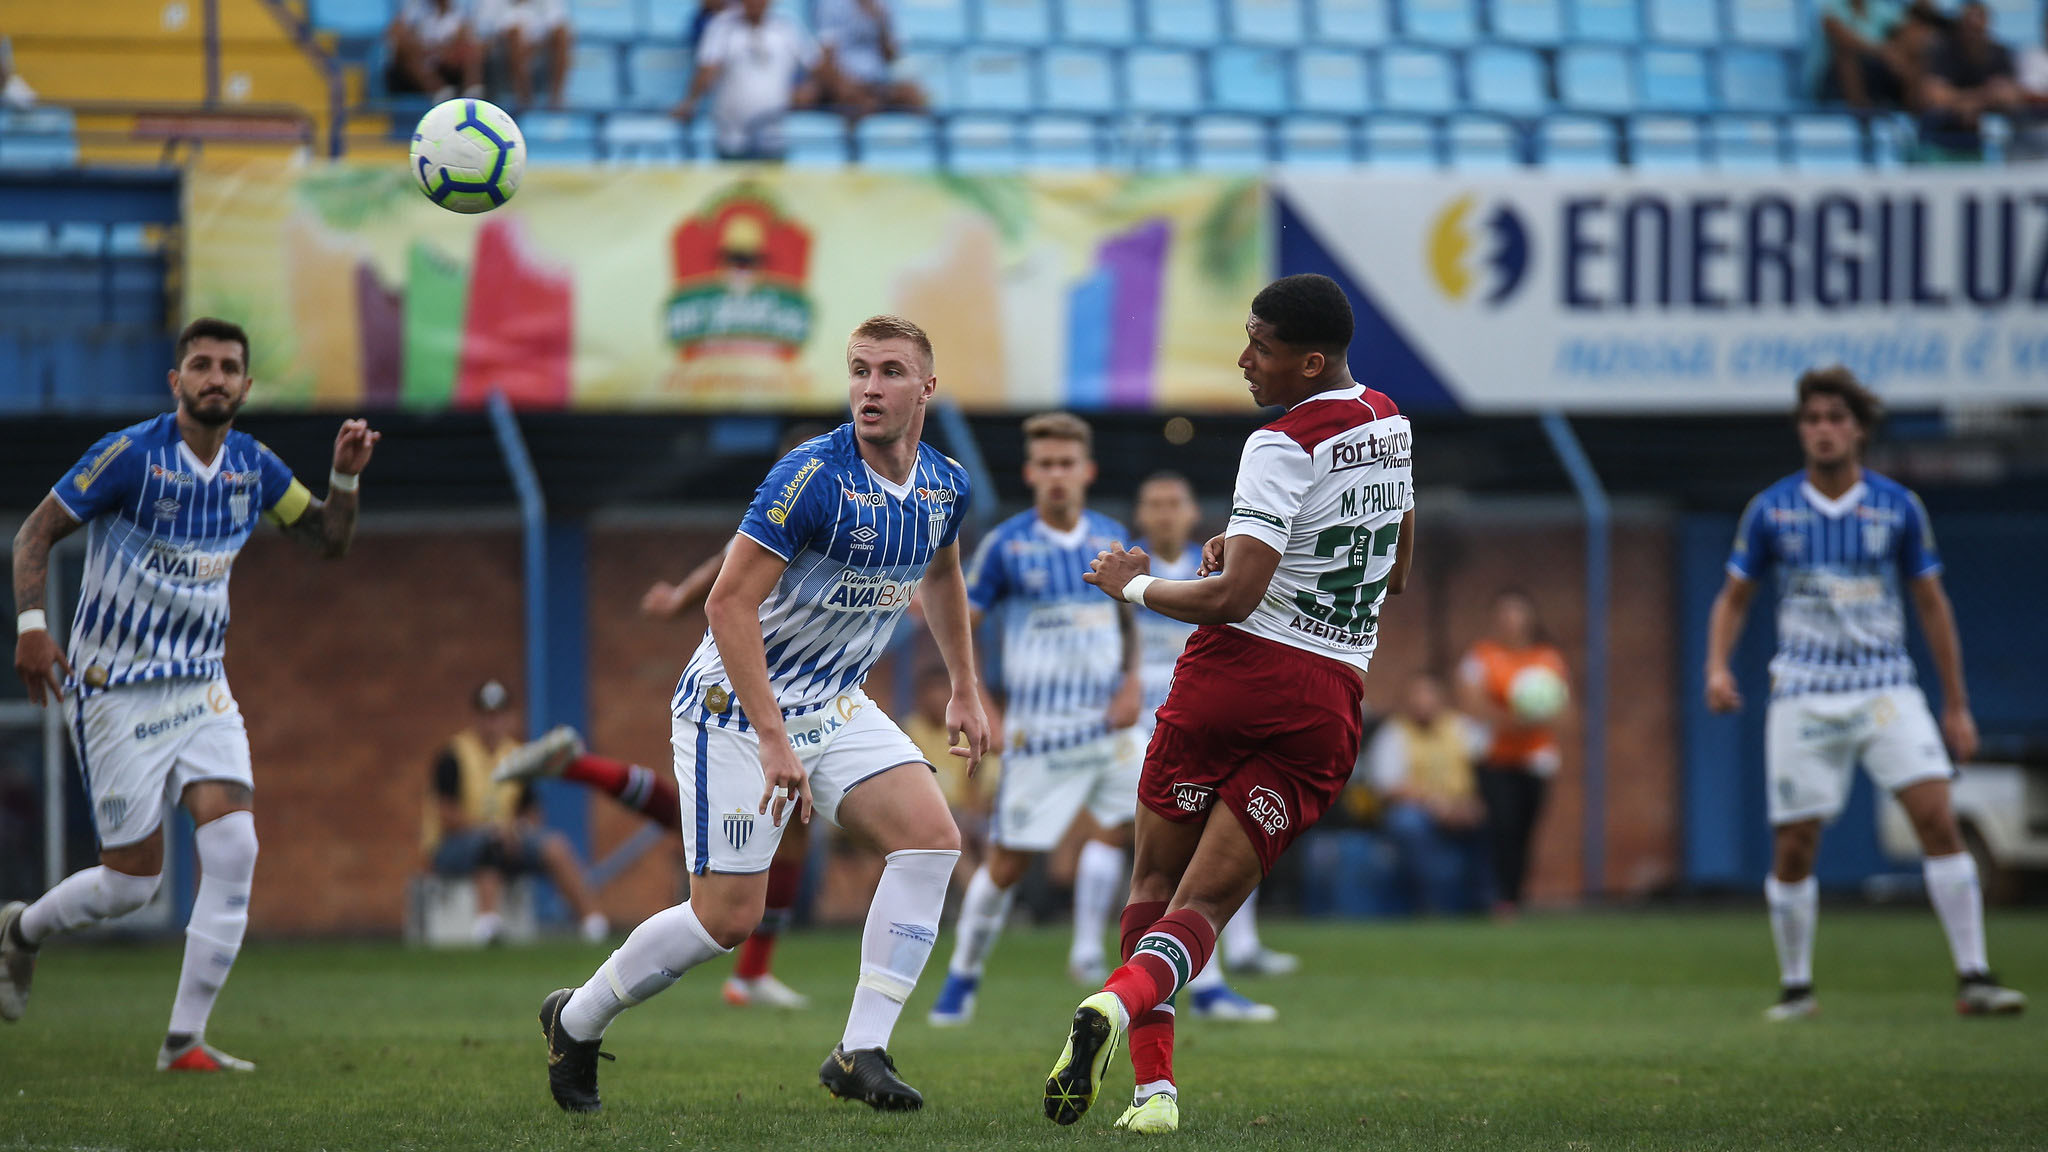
(1162, 638)
(162, 533)
(857, 547)
(1062, 655)
(1839, 563)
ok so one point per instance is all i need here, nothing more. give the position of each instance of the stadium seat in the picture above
(1527, 21)
(351, 18)
(668, 19)
(1508, 80)
(896, 140)
(642, 139)
(25, 238)
(657, 75)
(994, 80)
(1596, 80)
(1228, 144)
(1061, 142)
(1745, 143)
(1161, 81)
(1248, 80)
(1191, 23)
(2015, 23)
(1417, 80)
(559, 137)
(1077, 80)
(1317, 143)
(1685, 21)
(816, 140)
(1754, 80)
(1576, 143)
(1326, 81)
(78, 238)
(1015, 22)
(1400, 144)
(1454, 23)
(1675, 80)
(1280, 23)
(1666, 144)
(1482, 142)
(616, 19)
(1352, 23)
(1769, 23)
(593, 76)
(1892, 139)
(41, 137)
(1606, 21)
(1111, 23)
(934, 73)
(930, 21)
(982, 144)
(1825, 142)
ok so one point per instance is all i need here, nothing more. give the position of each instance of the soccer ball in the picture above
(468, 155)
(1537, 693)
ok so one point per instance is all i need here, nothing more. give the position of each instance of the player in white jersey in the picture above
(1840, 540)
(169, 503)
(1263, 719)
(769, 719)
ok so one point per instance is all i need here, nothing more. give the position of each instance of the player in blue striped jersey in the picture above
(769, 719)
(1839, 541)
(168, 503)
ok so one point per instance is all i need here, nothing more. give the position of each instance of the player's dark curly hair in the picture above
(1838, 381)
(212, 328)
(1308, 311)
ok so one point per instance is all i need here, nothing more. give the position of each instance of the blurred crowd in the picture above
(1944, 67)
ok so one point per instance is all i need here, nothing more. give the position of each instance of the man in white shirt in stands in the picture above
(861, 51)
(521, 30)
(433, 50)
(760, 64)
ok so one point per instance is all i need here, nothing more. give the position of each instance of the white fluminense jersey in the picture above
(1161, 638)
(1325, 486)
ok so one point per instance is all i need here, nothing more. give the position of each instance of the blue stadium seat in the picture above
(593, 76)
(1280, 23)
(617, 19)
(668, 19)
(983, 144)
(1481, 142)
(1745, 142)
(1193, 23)
(25, 238)
(1508, 80)
(1400, 144)
(1606, 21)
(2015, 23)
(352, 18)
(897, 140)
(1327, 81)
(132, 239)
(1077, 80)
(1527, 21)
(1061, 142)
(1666, 144)
(1161, 81)
(1248, 80)
(816, 140)
(1770, 23)
(642, 139)
(41, 137)
(1892, 140)
(1685, 21)
(657, 75)
(1596, 80)
(559, 137)
(78, 238)
(1015, 22)
(994, 80)
(1449, 22)
(1675, 80)
(1755, 80)
(1577, 143)
(1317, 142)
(1113, 23)
(933, 70)
(1228, 144)
(1417, 80)
(1830, 143)
(1352, 23)
(930, 21)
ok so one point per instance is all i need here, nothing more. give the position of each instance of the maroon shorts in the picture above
(1268, 731)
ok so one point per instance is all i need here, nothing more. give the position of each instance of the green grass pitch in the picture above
(1615, 1031)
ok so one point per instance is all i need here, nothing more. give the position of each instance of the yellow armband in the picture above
(291, 505)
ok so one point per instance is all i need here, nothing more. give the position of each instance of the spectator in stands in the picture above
(1874, 51)
(518, 32)
(707, 10)
(14, 91)
(1968, 75)
(488, 831)
(761, 65)
(860, 49)
(1522, 754)
(1420, 763)
(433, 51)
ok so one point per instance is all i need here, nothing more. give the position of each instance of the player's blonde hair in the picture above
(886, 327)
(1059, 426)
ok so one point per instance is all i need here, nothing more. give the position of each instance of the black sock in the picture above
(177, 1039)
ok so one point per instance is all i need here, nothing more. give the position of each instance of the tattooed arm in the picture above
(36, 655)
(328, 526)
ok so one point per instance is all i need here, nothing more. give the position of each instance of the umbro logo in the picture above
(863, 535)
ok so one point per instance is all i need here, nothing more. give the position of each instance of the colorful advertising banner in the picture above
(728, 288)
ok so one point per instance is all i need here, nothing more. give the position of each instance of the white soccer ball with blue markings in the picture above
(468, 155)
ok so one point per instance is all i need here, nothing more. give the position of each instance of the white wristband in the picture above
(32, 620)
(342, 481)
(1134, 592)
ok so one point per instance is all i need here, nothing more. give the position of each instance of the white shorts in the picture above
(1813, 742)
(1041, 793)
(139, 745)
(718, 772)
(534, 18)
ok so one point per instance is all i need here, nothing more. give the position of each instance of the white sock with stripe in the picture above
(1795, 908)
(983, 910)
(1097, 875)
(664, 946)
(902, 927)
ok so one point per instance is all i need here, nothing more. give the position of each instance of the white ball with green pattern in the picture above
(1538, 694)
(468, 155)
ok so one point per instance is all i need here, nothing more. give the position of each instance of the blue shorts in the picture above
(475, 849)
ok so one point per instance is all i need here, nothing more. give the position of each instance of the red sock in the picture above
(644, 790)
(1166, 958)
(1152, 1033)
(757, 952)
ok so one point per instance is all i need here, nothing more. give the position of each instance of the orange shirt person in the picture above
(1522, 754)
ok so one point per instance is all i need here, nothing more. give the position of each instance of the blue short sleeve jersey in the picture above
(857, 546)
(162, 533)
(1839, 566)
(1162, 638)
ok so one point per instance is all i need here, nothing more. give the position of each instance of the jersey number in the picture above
(1352, 596)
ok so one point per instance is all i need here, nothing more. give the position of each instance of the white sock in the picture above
(98, 893)
(1959, 902)
(1153, 1088)
(902, 927)
(664, 946)
(1241, 944)
(220, 916)
(485, 927)
(595, 928)
(1209, 978)
(1097, 876)
(982, 912)
(1794, 909)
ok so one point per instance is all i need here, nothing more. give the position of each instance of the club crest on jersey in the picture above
(936, 519)
(1876, 536)
(739, 828)
(1267, 810)
(1193, 797)
(716, 698)
(166, 509)
(238, 506)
